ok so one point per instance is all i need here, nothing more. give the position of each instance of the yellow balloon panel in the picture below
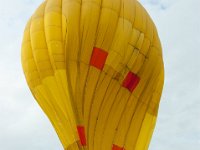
(95, 67)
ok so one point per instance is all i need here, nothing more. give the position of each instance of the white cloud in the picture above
(24, 126)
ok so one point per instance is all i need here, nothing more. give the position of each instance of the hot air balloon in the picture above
(95, 67)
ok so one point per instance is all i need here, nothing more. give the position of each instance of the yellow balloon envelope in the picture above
(95, 67)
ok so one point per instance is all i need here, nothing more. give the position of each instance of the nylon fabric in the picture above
(96, 69)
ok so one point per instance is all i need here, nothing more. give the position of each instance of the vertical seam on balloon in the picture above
(46, 42)
(138, 102)
(146, 27)
(80, 116)
(103, 103)
(32, 50)
(142, 124)
(146, 145)
(123, 109)
(98, 85)
(86, 80)
(147, 105)
(25, 61)
(67, 74)
(67, 84)
(100, 73)
(62, 86)
(45, 3)
(133, 114)
(88, 70)
(124, 98)
(106, 95)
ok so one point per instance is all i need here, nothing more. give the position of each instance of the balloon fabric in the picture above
(96, 69)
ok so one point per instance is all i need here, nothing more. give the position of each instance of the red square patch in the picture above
(81, 133)
(98, 58)
(115, 147)
(131, 81)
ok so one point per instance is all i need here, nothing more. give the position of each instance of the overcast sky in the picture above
(23, 126)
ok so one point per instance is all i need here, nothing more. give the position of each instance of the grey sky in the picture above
(23, 126)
